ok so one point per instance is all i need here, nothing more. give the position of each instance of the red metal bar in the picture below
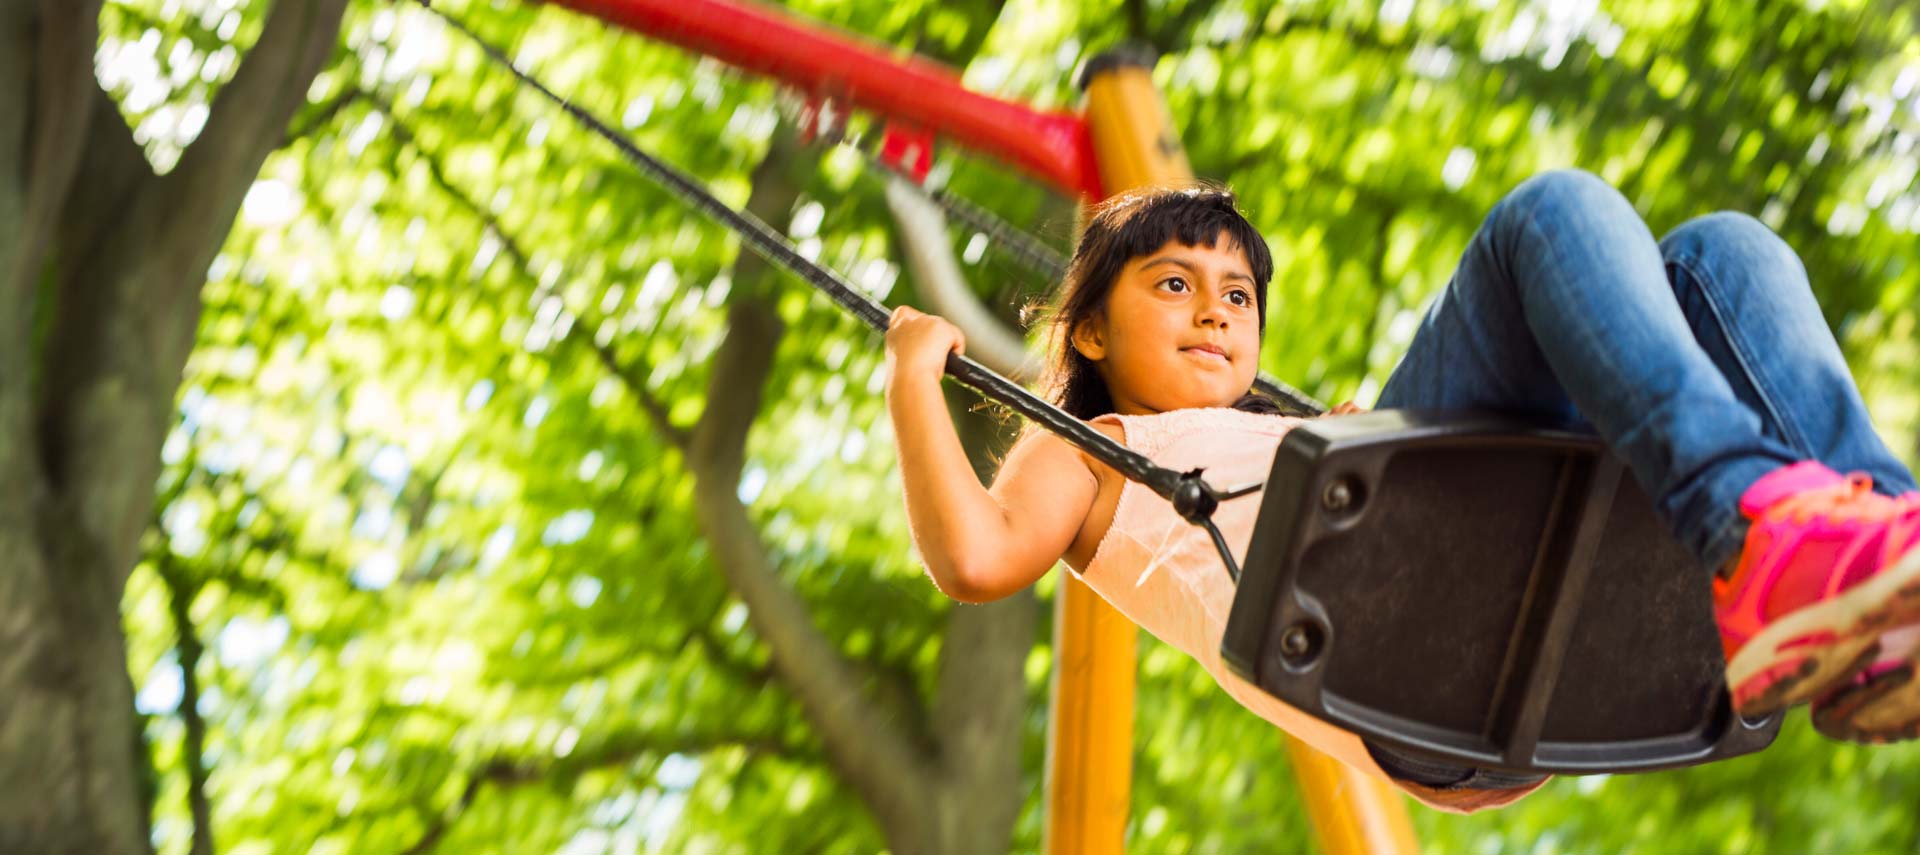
(1054, 147)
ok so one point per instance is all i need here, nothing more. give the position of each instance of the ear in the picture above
(1089, 337)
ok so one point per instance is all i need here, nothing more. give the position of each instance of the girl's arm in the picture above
(979, 544)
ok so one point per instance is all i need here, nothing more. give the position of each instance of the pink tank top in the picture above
(1164, 574)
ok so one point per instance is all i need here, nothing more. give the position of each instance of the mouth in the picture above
(1208, 353)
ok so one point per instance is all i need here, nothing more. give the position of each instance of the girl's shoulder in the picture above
(1038, 447)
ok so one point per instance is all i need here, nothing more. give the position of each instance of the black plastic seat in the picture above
(1472, 589)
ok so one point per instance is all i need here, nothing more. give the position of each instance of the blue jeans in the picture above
(1702, 360)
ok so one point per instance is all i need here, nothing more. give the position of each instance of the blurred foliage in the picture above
(447, 576)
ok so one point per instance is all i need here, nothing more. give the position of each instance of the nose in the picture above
(1211, 313)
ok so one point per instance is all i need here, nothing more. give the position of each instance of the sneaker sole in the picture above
(1885, 708)
(1796, 658)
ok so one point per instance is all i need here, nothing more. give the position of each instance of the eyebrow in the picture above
(1190, 267)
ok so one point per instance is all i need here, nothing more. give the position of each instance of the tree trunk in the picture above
(981, 709)
(101, 264)
(964, 795)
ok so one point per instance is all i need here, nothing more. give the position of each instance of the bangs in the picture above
(1142, 224)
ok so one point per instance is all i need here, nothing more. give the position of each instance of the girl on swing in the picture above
(1701, 359)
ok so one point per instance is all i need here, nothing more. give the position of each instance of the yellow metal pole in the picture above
(1090, 733)
(1353, 813)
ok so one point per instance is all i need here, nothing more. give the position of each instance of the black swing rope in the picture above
(1192, 497)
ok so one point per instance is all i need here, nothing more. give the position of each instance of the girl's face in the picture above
(1179, 329)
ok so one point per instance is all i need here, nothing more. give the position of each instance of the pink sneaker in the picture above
(1880, 704)
(1828, 565)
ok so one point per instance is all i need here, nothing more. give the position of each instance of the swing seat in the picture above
(1476, 590)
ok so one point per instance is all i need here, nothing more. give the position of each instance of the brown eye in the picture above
(1173, 279)
(1246, 299)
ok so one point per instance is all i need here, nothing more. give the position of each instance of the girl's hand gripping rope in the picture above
(918, 344)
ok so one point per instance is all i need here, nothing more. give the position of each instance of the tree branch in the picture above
(745, 357)
(873, 756)
(922, 230)
(196, 203)
(615, 750)
(1371, 195)
(720, 657)
(634, 378)
(113, 171)
(58, 65)
(180, 594)
(18, 43)
(404, 132)
(1176, 29)
(982, 697)
(323, 115)
(280, 536)
(1136, 15)
(46, 78)
(748, 674)
(187, 27)
(896, 692)
(1377, 268)
(249, 118)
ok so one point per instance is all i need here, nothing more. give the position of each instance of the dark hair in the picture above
(1122, 228)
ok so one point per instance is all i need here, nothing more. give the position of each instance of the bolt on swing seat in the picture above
(1476, 590)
